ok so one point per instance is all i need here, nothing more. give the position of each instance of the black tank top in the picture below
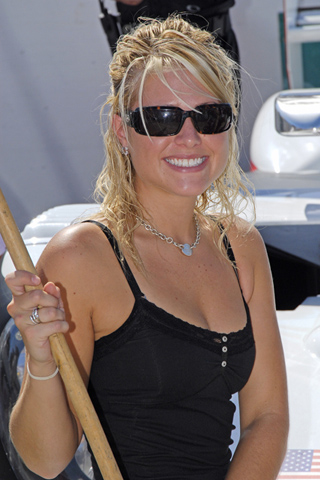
(162, 389)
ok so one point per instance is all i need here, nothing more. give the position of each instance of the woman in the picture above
(168, 311)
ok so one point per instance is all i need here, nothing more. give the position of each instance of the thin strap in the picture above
(230, 253)
(122, 261)
(227, 245)
(232, 259)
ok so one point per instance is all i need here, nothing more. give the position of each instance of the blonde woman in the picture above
(168, 310)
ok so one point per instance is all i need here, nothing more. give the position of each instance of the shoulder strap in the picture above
(122, 261)
(229, 251)
(232, 259)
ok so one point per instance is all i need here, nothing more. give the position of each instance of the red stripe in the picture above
(305, 476)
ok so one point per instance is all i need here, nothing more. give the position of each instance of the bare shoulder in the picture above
(244, 235)
(246, 242)
(74, 246)
(78, 236)
(81, 261)
(73, 260)
(250, 254)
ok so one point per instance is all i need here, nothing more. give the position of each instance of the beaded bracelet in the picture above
(42, 378)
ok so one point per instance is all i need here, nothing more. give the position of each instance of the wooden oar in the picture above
(71, 377)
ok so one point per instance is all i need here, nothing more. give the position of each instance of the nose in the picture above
(188, 135)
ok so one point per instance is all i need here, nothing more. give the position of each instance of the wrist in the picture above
(42, 374)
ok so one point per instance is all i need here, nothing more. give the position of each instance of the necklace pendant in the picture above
(187, 250)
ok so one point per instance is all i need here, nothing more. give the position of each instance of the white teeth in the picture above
(185, 162)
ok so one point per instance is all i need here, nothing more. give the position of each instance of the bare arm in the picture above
(43, 427)
(263, 400)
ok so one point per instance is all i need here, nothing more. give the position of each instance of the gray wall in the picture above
(256, 25)
(53, 78)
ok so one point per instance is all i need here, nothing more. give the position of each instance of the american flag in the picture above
(301, 465)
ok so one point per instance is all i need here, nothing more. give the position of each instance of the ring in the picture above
(34, 317)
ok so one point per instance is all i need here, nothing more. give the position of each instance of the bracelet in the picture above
(42, 378)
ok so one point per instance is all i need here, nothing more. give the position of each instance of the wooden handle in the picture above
(71, 377)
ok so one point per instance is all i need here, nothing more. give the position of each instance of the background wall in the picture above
(256, 25)
(53, 78)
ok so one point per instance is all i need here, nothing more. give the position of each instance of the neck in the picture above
(171, 215)
(186, 248)
(181, 226)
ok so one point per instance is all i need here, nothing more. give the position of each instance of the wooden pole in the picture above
(70, 375)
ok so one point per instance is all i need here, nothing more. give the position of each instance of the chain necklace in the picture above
(185, 248)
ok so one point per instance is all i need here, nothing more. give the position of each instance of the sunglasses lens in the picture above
(159, 121)
(213, 118)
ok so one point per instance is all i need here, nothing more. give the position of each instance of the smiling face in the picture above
(182, 165)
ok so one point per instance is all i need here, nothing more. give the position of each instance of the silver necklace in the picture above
(185, 248)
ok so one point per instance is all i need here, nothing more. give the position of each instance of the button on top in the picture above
(224, 338)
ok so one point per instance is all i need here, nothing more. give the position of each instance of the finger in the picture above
(34, 317)
(46, 315)
(22, 305)
(37, 298)
(36, 339)
(52, 289)
(39, 334)
(17, 280)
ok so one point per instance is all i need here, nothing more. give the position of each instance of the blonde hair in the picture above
(155, 47)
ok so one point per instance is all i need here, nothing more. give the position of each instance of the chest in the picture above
(204, 293)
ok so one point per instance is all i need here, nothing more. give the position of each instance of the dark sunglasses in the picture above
(166, 121)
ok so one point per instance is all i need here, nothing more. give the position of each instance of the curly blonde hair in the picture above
(156, 47)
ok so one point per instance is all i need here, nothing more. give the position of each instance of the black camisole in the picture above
(162, 389)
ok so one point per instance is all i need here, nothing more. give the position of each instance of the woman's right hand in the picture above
(50, 311)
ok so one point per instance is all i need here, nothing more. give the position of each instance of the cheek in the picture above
(145, 150)
(223, 149)
(141, 154)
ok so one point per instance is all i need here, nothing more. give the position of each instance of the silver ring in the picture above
(34, 317)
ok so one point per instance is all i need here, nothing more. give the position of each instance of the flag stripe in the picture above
(301, 465)
(293, 475)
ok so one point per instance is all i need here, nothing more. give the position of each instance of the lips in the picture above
(185, 162)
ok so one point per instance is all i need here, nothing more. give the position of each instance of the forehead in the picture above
(171, 87)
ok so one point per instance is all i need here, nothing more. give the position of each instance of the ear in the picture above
(118, 127)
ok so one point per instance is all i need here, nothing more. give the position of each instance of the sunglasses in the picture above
(167, 121)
